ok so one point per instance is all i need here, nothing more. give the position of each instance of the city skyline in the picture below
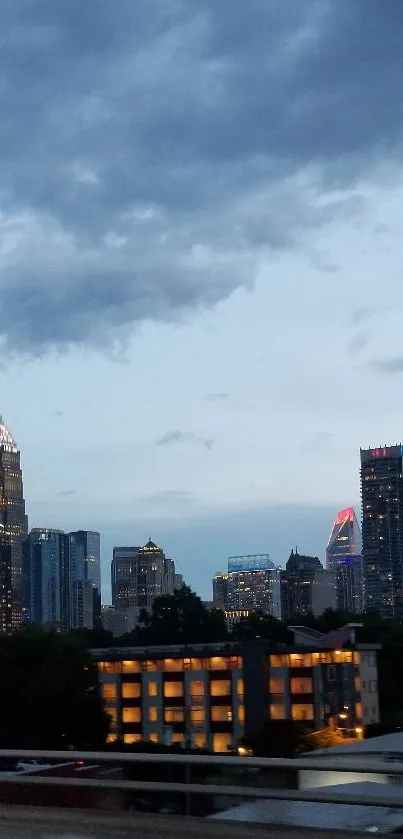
(194, 337)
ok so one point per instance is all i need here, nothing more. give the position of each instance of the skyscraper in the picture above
(13, 529)
(139, 575)
(46, 562)
(382, 528)
(343, 557)
(251, 584)
(306, 587)
(85, 570)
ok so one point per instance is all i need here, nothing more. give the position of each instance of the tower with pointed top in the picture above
(13, 531)
(343, 557)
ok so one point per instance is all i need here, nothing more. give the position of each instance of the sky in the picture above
(201, 271)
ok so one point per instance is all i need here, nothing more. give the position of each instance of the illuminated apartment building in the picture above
(209, 696)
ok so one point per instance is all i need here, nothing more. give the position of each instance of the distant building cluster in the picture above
(53, 578)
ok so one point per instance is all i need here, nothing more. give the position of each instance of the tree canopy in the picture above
(49, 697)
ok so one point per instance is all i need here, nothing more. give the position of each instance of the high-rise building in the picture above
(46, 563)
(251, 584)
(139, 576)
(306, 587)
(343, 557)
(13, 530)
(85, 565)
(382, 528)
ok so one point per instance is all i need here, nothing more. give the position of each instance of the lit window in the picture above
(197, 715)
(199, 663)
(173, 689)
(177, 738)
(109, 666)
(357, 684)
(222, 742)
(278, 661)
(196, 688)
(131, 690)
(356, 658)
(358, 710)
(153, 737)
(277, 711)
(300, 660)
(174, 715)
(173, 664)
(131, 738)
(241, 714)
(112, 714)
(131, 667)
(240, 688)
(199, 741)
(111, 738)
(109, 691)
(220, 688)
(301, 685)
(221, 713)
(302, 712)
(152, 689)
(153, 714)
(131, 714)
(219, 662)
(277, 686)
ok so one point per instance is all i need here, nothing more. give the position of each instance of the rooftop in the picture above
(6, 438)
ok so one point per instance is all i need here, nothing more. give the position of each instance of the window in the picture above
(196, 688)
(222, 742)
(301, 685)
(151, 666)
(111, 738)
(220, 688)
(109, 691)
(356, 658)
(240, 688)
(153, 714)
(153, 737)
(302, 712)
(174, 715)
(199, 741)
(109, 666)
(131, 690)
(221, 713)
(131, 738)
(219, 662)
(197, 715)
(177, 738)
(276, 685)
(277, 711)
(173, 665)
(278, 661)
(358, 710)
(357, 684)
(131, 667)
(173, 689)
(112, 713)
(152, 689)
(131, 714)
(300, 660)
(241, 714)
(199, 664)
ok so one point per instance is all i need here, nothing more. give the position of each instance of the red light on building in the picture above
(347, 513)
(379, 452)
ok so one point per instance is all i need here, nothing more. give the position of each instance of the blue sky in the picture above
(200, 266)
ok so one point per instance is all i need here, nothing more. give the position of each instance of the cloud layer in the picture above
(150, 153)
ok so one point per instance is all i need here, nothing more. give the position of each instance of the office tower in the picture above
(306, 587)
(13, 530)
(254, 585)
(85, 570)
(343, 557)
(382, 529)
(46, 564)
(139, 576)
(220, 591)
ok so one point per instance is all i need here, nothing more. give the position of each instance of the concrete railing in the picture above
(189, 789)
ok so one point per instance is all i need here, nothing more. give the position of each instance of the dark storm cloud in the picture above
(174, 437)
(147, 148)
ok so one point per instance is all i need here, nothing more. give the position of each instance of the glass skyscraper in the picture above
(13, 530)
(382, 528)
(85, 579)
(343, 557)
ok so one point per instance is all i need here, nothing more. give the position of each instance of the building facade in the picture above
(139, 575)
(382, 529)
(46, 563)
(344, 558)
(85, 564)
(13, 531)
(209, 696)
(252, 584)
(306, 587)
